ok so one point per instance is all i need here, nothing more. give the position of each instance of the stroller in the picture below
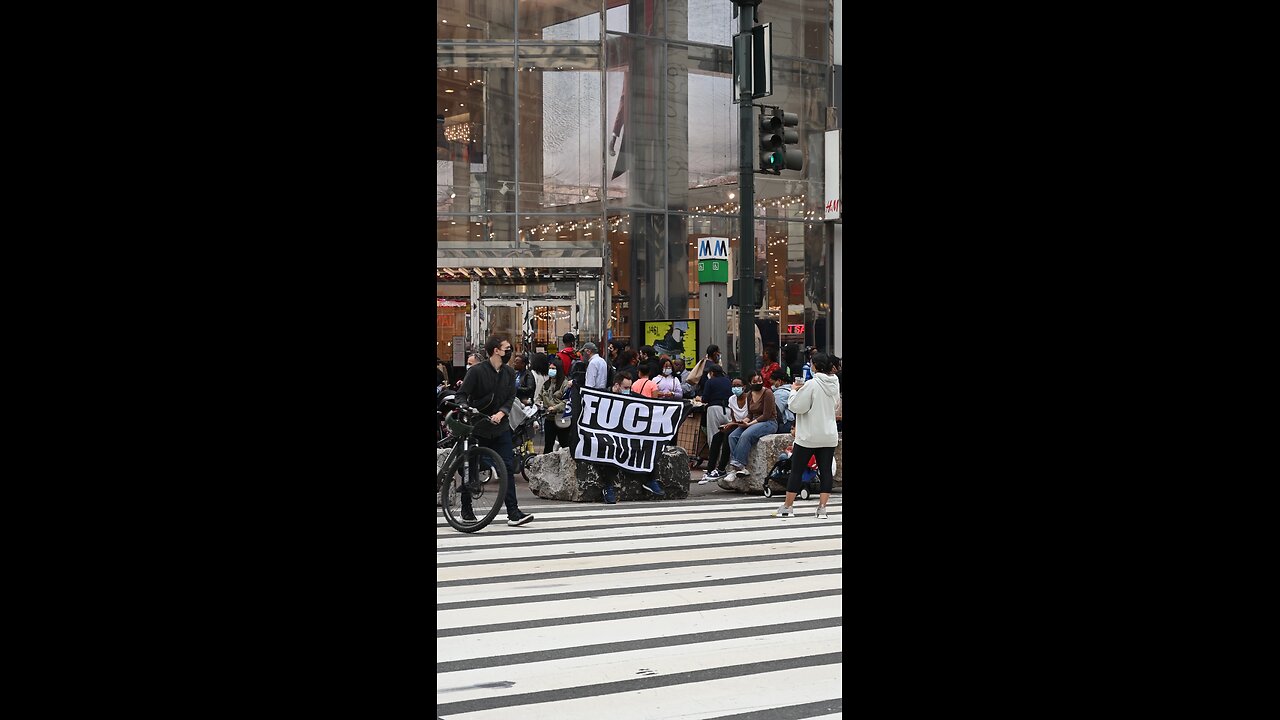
(781, 474)
(522, 440)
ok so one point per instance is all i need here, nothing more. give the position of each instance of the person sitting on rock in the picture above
(738, 414)
(552, 398)
(763, 421)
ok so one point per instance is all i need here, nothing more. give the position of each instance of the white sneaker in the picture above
(822, 512)
(784, 511)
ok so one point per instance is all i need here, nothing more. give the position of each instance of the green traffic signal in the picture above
(777, 135)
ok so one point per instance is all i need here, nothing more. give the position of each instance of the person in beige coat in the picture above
(814, 403)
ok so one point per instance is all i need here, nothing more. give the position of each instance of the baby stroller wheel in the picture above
(804, 493)
(768, 491)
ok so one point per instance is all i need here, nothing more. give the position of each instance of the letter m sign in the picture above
(713, 260)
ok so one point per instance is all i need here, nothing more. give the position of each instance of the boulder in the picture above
(761, 460)
(557, 476)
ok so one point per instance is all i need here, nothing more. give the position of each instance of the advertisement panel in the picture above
(673, 337)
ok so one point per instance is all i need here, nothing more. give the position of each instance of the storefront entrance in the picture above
(532, 325)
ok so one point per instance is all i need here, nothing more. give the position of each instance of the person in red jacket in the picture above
(567, 354)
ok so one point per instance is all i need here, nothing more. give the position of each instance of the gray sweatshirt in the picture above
(815, 407)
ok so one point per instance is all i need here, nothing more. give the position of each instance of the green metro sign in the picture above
(713, 260)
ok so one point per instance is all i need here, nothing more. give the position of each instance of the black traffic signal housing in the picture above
(733, 300)
(780, 142)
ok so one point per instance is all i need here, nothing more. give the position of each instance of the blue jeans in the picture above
(742, 440)
(502, 445)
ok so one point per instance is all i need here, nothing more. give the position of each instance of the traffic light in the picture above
(779, 142)
(733, 300)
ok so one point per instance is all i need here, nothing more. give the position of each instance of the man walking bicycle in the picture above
(490, 387)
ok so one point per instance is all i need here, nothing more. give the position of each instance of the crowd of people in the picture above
(795, 391)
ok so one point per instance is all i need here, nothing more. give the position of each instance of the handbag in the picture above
(696, 373)
(563, 421)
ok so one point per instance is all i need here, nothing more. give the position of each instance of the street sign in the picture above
(713, 260)
(753, 62)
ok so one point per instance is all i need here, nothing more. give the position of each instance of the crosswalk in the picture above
(705, 608)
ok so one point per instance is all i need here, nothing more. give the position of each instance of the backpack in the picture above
(565, 357)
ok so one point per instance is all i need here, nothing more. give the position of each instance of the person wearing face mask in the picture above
(738, 414)
(552, 398)
(713, 358)
(490, 387)
(667, 386)
(762, 420)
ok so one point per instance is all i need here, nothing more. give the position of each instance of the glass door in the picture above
(529, 324)
(550, 319)
(505, 318)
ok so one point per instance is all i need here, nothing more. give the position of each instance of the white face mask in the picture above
(551, 372)
(666, 371)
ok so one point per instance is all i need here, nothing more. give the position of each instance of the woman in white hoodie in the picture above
(814, 403)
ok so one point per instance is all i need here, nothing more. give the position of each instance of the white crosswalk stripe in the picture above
(692, 609)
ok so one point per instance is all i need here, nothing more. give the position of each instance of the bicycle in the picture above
(470, 473)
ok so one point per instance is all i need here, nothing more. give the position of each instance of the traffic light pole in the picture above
(747, 244)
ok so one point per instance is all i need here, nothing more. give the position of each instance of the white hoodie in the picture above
(815, 407)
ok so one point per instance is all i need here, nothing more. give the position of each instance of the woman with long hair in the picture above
(552, 398)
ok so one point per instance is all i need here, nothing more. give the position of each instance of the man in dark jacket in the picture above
(490, 387)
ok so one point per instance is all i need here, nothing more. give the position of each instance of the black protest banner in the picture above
(625, 430)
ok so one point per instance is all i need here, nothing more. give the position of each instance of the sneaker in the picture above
(709, 476)
(610, 494)
(657, 489)
(822, 512)
(468, 515)
(734, 467)
(784, 511)
(647, 487)
(520, 520)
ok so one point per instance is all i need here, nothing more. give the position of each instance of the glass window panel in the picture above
(561, 232)
(561, 151)
(802, 88)
(475, 132)
(634, 129)
(801, 28)
(475, 20)
(642, 17)
(560, 19)
(708, 21)
(702, 125)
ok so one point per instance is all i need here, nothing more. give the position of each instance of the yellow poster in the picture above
(674, 338)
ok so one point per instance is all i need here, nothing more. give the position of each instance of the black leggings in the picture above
(566, 436)
(718, 458)
(800, 463)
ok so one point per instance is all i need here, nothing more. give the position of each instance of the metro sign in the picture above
(713, 260)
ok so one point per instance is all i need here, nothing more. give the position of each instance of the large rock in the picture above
(557, 476)
(761, 460)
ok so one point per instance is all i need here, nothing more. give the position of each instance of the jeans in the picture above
(502, 444)
(719, 455)
(742, 440)
(800, 463)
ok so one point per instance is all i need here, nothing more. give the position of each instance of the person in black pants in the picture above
(490, 387)
(718, 458)
(552, 398)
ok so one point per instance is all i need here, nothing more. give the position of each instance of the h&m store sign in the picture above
(713, 260)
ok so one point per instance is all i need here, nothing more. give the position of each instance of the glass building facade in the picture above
(583, 147)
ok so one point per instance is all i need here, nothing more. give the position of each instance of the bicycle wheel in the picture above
(483, 492)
